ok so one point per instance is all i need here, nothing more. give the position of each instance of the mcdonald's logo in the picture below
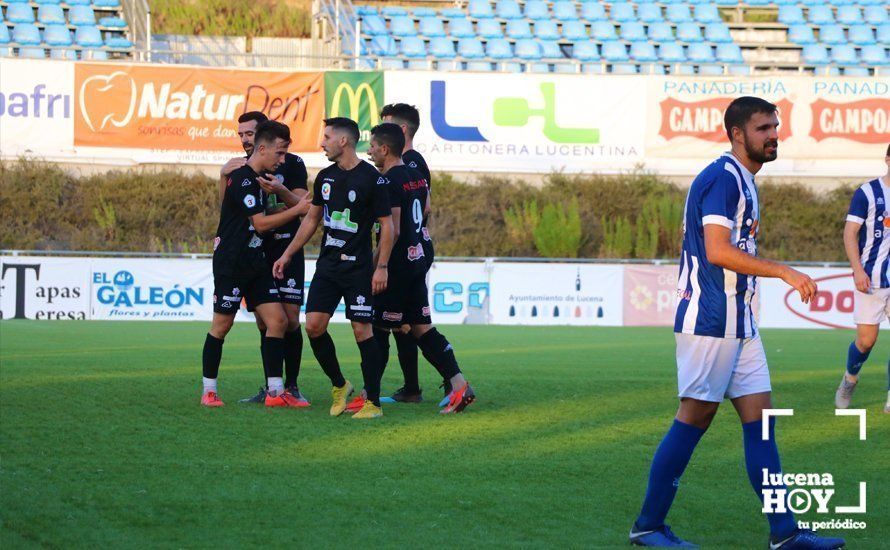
(354, 98)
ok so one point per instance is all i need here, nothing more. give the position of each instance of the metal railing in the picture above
(138, 17)
(246, 59)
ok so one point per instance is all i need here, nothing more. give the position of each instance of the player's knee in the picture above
(362, 331)
(293, 321)
(276, 324)
(221, 325)
(866, 341)
(314, 329)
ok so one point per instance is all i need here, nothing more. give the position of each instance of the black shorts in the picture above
(290, 288)
(255, 287)
(326, 290)
(405, 301)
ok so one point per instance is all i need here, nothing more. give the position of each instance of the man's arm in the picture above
(851, 245)
(267, 222)
(429, 203)
(721, 252)
(396, 220)
(228, 168)
(307, 229)
(384, 249)
(273, 187)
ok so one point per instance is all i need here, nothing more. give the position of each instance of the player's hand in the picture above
(232, 165)
(304, 205)
(862, 280)
(378, 282)
(280, 266)
(271, 185)
(802, 283)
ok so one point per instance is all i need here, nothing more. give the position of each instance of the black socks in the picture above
(212, 356)
(326, 354)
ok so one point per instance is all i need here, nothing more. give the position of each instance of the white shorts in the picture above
(872, 308)
(711, 369)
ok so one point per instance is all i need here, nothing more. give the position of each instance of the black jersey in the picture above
(408, 191)
(238, 247)
(415, 160)
(352, 202)
(292, 173)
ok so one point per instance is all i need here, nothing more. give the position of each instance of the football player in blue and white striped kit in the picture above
(867, 242)
(719, 352)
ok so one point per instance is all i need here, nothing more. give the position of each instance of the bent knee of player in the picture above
(866, 339)
(221, 325)
(315, 328)
(696, 412)
(362, 331)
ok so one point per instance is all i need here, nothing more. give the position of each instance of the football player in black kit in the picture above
(349, 197)
(240, 269)
(404, 306)
(286, 186)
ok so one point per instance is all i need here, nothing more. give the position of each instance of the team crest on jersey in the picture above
(326, 191)
(351, 196)
(246, 183)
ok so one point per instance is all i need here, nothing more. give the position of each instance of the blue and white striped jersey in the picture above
(869, 208)
(713, 301)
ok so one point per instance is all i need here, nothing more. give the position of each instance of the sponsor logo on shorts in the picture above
(392, 316)
(360, 301)
(415, 252)
(230, 299)
(425, 311)
(291, 291)
(362, 314)
(331, 241)
(346, 258)
(255, 242)
(236, 291)
(280, 236)
(226, 305)
(291, 283)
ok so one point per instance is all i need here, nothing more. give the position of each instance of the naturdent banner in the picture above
(355, 95)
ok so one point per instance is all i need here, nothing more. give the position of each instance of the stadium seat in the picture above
(107, 3)
(622, 11)
(649, 13)
(489, 28)
(856, 71)
(478, 66)
(710, 70)
(883, 34)
(113, 22)
(470, 48)
(47, 2)
(832, 34)
(678, 13)
(360, 10)
(32, 53)
(88, 37)
(739, 70)
(537, 68)
(586, 51)
(402, 25)
(453, 13)
(661, 32)
(727, 2)
(508, 9)
(26, 34)
(442, 48)
(814, 54)
(861, 35)
(373, 25)
(624, 68)
(837, 3)
(643, 52)
(565, 11)
(785, 2)
(700, 53)
(536, 9)
(499, 48)
(565, 68)
(801, 34)
(62, 53)
(391, 63)
(652, 68)
(48, 14)
(874, 55)
(615, 52)
(729, 53)
(682, 69)
(412, 47)
(849, 15)
(791, 15)
(603, 31)
(591, 12)
(689, 32)
(707, 13)
(383, 45)
(550, 49)
(510, 67)
(461, 28)
(19, 13)
(875, 15)
(872, 3)
(574, 30)
(717, 33)
(4, 34)
(809, 3)
(518, 28)
(844, 54)
(117, 42)
(393, 11)
(546, 29)
(480, 9)
(820, 15)
(423, 12)
(17, 1)
(758, 3)
(431, 27)
(592, 68)
(527, 49)
(633, 31)
(57, 35)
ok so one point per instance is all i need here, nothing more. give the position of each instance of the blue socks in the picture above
(855, 359)
(670, 461)
(760, 454)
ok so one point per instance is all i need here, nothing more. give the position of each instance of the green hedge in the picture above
(227, 18)
(630, 216)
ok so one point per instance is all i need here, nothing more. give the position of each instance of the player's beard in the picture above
(759, 154)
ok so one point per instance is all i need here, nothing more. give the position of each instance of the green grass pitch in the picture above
(104, 443)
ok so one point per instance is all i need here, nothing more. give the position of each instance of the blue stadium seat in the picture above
(791, 15)
(565, 68)
(537, 68)
(117, 42)
(508, 9)
(372, 25)
(62, 53)
(393, 11)
(682, 69)
(661, 32)
(624, 68)
(643, 52)
(837, 3)
(527, 49)
(727, 2)
(402, 25)
(57, 35)
(883, 34)
(821, 15)
(872, 3)
(710, 70)
(107, 3)
(480, 9)
(94, 55)
(461, 28)
(489, 28)
(849, 15)
(615, 52)
(4, 34)
(590, 12)
(518, 28)
(814, 54)
(758, 2)
(729, 53)
(391, 63)
(359, 10)
(47, 2)
(586, 51)
(633, 31)
(689, 32)
(785, 2)
(739, 70)
(875, 55)
(622, 11)
(876, 15)
(536, 9)
(442, 48)
(694, 2)
(470, 48)
(88, 37)
(717, 33)
(478, 66)
(509, 67)
(81, 15)
(809, 3)
(832, 34)
(550, 49)
(801, 34)
(112, 22)
(862, 35)
(412, 46)
(574, 30)
(26, 34)
(844, 54)
(856, 71)
(499, 48)
(423, 12)
(678, 13)
(565, 11)
(431, 27)
(652, 68)
(19, 13)
(547, 29)
(700, 53)
(17, 1)
(32, 53)
(650, 13)
(707, 13)
(592, 68)
(453, 13)
(48, 14)
(603, 31)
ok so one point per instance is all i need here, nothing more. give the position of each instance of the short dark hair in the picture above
(391, 135)
(253, 115)
(742, 109)
(269, 131)
(405, 114)
(346, 125)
